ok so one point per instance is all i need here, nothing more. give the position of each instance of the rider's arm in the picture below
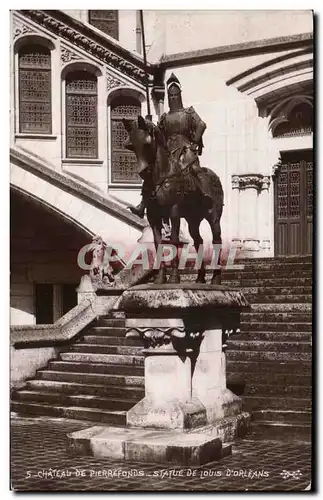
(199, 127)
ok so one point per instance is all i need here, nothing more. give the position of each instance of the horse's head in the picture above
(141, 140)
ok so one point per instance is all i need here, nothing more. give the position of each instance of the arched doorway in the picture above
(293, 180)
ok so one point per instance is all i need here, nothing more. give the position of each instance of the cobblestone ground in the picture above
(39, 462)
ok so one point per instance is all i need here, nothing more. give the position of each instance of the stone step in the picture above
(111, 340)
(269, 367)
(272, 336)
(280, 258)
(269, 282)
(110, 322)
(277, 299)
(242, 378)
(284, 308)
(287, 416)
(260, 345)
(83, 400)
(253, 403)
(253, 265)
(102, 358)
(106, 349)
(268, 356)
(71, 412)
(83, 367)
(289, 391)
(249, 273)
(265, 291)
(281, 431)
(133, 393)
(271, 326)
(91, 378)
(107, 331)
(270, 317)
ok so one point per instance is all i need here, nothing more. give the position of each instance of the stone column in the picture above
(264, 217)
(235, 222)
(249, 186)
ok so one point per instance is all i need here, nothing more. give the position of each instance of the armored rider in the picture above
(183, 130)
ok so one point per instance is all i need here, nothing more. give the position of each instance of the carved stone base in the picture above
(193, 448)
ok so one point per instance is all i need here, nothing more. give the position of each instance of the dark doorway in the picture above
(293, 194)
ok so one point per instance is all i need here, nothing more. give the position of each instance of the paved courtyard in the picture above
(40, 462)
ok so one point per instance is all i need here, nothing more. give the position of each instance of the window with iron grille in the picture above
(123, 161)
(35, 114)
(106, 21)
(81, 115)
(298, 122)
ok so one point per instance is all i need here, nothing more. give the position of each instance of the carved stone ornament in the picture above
(100, 273)
(21, 29)
(250, 181)
(113, 82)
(153, 337)
(277, 167)
(61, 29)
(68, 56)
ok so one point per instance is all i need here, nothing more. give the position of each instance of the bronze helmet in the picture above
(174, 93)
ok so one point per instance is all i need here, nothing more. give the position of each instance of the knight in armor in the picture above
(183, 130)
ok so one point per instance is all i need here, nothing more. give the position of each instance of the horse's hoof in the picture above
(160, 279)
(174, 279)
(216, 280)
(200, 280)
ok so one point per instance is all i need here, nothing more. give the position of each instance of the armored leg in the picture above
(145, 193)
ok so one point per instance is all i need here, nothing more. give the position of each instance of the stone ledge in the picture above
(181, 296)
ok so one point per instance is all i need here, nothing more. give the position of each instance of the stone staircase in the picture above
(101, 375)
(98, 378)
(269, 361)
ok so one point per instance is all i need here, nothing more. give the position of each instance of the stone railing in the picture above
(63, 330)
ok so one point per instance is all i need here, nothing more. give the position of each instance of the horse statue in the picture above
(174, 195)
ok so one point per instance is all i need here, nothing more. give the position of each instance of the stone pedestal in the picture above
(187, 414)
(168, 401)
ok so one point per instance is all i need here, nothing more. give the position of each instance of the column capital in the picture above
(250, 181)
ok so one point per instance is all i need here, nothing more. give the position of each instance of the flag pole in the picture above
(149, 117)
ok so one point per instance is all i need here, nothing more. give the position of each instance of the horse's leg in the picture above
(174, 239)
(214, 222)
(194, 230)
(156, 226)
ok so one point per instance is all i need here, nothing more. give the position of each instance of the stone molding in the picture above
(68, 55)
(35, 165)
(20, 28)
(250, 181)
(238, 50)
(76, 33)
(113, 82)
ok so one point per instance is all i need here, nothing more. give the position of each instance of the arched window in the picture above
(81, 115)
(35, 114)
(123, 161)
(106, 21)
(296, 122)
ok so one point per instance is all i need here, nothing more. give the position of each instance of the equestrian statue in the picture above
(174, 183)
